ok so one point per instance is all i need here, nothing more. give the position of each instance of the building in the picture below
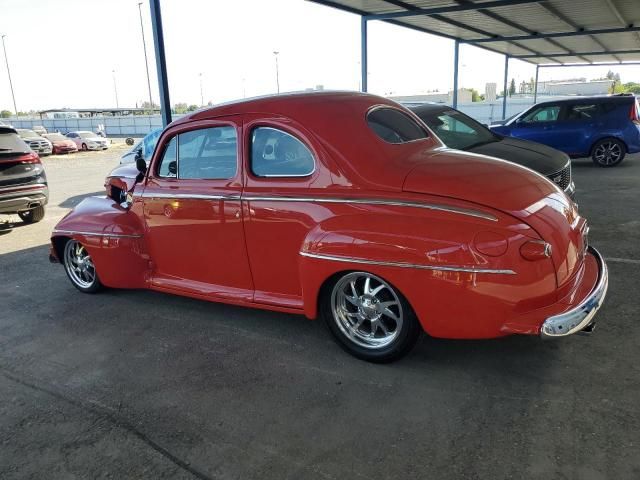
(575, 87)
(464, 96)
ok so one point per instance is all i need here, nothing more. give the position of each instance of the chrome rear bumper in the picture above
(581, 316)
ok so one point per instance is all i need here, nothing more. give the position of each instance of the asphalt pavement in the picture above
(138, 384)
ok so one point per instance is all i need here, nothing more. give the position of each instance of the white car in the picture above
(85, 140)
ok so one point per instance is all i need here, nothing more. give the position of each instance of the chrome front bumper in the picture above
(580, 317)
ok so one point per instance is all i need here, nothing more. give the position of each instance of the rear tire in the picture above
(79, 267)
(608, 152)
(369, 317)
(32, 216)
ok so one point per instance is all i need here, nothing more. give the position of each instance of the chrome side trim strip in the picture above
(354, 201)
(373, 201)
(189, 196)
(444, 268)
(95, 234)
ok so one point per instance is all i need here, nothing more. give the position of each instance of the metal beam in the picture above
(578, 54)
(506, 79)
(456, 58)
(449, 9)
(537, 36)
(619, 16)
(455, 23)
(603, 64)
(161, 61)
(363, 53)
(535, 85)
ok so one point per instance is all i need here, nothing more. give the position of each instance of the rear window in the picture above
(10, 143)
(394, 126)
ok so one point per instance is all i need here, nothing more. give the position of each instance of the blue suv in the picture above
(604, 128)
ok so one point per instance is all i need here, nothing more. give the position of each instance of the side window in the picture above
(208, 153)
(583, 112)
(549, 113)
(394, 126)
(275, 153)
(169, 164)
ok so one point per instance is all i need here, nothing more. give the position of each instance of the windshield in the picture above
(86, 134)
(456, 129)
(10, 143)
(24, 133)
(55, 136)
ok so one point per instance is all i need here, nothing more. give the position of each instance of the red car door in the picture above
(282, 161)
(193, 212)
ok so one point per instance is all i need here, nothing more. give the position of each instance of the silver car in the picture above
(85, 140)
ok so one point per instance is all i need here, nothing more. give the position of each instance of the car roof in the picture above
(622, 99)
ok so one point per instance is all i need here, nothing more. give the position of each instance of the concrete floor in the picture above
(136, 384)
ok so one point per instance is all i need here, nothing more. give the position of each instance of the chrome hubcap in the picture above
(367, 310)
(608, 153)
(78, 264)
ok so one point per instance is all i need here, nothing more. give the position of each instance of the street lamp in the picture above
(115, 87)
(146, 63)
(6, 59)
(201, 96)
(275, 54)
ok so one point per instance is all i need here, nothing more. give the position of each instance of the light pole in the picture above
(275, 54)
(146, 63)
(6, 59)
(201, 96)
(115, 87)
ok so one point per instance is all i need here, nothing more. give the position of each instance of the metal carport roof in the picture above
(547, 33)
(539, 32)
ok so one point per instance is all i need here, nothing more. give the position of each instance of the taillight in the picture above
(633, 114)
(29, 158)
(535, 250)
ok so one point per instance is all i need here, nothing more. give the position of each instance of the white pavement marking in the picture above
(623, 260)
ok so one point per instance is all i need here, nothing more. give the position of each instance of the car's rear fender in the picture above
(455, 290)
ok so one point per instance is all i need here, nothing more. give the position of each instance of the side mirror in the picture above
(141, 165)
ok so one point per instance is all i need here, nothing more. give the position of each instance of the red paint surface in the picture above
(247, 252)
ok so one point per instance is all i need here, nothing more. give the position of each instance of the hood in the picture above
(512, 189)
(538, 157)
(63, 143)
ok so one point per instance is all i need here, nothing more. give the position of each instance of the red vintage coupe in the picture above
(342, 206)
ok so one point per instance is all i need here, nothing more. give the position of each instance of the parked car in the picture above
(39, 129)
(23, 182)
(603, 128)
(37, 143)
(461, 132)
(341, 206)
(85, 140)
(145, 146)
(61, 144)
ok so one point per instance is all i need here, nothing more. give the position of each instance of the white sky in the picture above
(62, 53)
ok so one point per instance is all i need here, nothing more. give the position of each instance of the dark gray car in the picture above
(462, 132)
(23, 183)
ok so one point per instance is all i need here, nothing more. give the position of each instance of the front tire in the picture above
(80, 268)
(32, 216)
(84, 147)
(608, 152)
(369, 317)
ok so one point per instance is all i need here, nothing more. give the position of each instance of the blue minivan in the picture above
(604, 128)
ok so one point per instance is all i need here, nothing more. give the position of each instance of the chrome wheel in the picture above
(608, 153)
(79, 265)
(367, 310)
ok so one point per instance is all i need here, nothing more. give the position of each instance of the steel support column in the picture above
(363, 53)
(535, 85)
(506, 80)
(161, 61)
(456, 58)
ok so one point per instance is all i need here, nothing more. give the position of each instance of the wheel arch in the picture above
(606, 137)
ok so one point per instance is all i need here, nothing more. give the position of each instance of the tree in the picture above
(5, 114)
(475, 96)
(180, 108)
(512, 87)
